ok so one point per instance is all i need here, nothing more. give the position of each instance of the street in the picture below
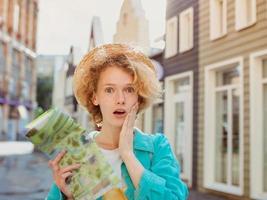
(28, 177)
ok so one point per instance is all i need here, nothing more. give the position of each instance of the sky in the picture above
(62, 23)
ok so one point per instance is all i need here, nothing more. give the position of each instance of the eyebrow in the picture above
(112, 84)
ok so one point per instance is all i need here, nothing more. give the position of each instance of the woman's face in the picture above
(115, 95)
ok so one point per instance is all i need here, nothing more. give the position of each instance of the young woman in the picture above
(115, 82)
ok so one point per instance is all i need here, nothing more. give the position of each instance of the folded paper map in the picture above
(55, 131)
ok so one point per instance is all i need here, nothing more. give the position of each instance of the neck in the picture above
(109, 137)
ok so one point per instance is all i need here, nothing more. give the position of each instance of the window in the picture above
(245, 13)
(186, 35)
(157, 121)
(3, 11)
(153, 117)
(178, 123)
(227, 114)
(218, 18)
(2, 59)
(258, 124)
(13, 81)
(16, 14)
(2, 69)
(223, 127)
(28, 80)
(1, 122)
(171, 37)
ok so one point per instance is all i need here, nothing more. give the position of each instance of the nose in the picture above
(120, 98)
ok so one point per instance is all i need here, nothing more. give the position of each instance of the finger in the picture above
(53, 166)
(124, 126)
(66, 175)
(59, 157)
(70, 168)
(132, 116)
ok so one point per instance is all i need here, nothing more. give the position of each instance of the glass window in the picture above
(2, 59)
(180, 134)
(235, 136)
(157, 113)
(181, 84)
(265, 136)
(15, 74)
(228, 77)
(222, 128)
(28, 77)
(264, 68)
(1, 122)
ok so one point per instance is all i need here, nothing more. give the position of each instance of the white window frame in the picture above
(5, 8)
(171, 37)
(169, 119)
(186, 30)
(215, 19)
(256, 125)
(16, 17)
(241, 15)
(209, 127)
(148, 115)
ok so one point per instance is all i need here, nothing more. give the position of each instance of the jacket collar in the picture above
(142, 141)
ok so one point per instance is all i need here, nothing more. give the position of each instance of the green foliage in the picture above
(44, 92)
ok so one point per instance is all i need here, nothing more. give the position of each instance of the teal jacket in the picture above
(161, 177)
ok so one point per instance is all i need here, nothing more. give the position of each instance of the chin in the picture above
(117, 124)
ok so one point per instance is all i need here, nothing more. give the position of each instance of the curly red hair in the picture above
(134, 62)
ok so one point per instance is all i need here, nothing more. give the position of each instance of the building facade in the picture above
(132, 26)
(18, 27)
(180, 63)
(232, 98)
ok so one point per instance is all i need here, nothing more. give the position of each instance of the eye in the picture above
(130, 90)
(109, 90)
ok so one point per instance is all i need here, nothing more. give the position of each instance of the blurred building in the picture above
(132, 26)
(233, 98)
(49, 80)
(63, 96)
(47, 64)
(180, 61)
(18, 27)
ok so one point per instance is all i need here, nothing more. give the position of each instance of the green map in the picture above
(55, 131)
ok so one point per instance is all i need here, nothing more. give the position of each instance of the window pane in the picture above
(13, 84)
(180, 134)
(235, 137)
(1, 123)
(2, 69)
(228, 77)
(264, 69)
(2, 59)
(157, 113)
(221, 137)
(265, 136)
(181, 85)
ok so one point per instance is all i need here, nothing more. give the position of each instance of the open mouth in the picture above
(119, 112)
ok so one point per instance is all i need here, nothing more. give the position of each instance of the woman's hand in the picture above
(126, 134)
(60, 175)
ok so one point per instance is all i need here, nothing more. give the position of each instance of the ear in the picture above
(94, 100)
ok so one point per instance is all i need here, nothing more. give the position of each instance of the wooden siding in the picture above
(234, 44)
(187, 61)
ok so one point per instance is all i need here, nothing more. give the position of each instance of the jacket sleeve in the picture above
(54, 193)
(162, 180)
